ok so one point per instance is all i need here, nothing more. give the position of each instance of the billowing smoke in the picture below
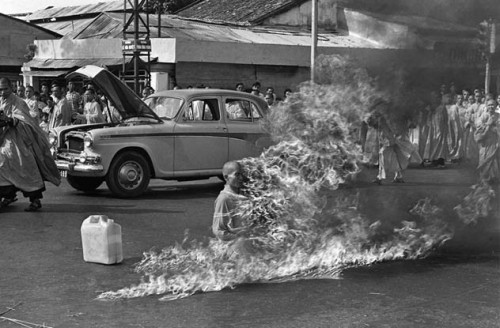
(303, 225)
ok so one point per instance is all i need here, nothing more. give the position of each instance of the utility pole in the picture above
(314, 36)
(487, 40)
(491, 50)
(139, 44)
(160, 7)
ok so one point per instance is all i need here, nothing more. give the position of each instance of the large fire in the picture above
(303, 226)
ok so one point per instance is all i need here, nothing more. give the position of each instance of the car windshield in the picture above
(165, 107)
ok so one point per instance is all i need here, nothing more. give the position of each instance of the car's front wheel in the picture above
(85, 184)
(128, 175)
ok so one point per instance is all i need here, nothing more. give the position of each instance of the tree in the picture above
(31, 50)
(168, 6)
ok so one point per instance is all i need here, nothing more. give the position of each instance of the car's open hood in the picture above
(126, 101)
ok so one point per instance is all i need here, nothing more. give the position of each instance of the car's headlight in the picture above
(83, 157)
(52, 138)
(88, 140)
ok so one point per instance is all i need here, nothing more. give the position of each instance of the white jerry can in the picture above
(101, 240)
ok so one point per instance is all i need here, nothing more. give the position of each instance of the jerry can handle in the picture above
(102, 219)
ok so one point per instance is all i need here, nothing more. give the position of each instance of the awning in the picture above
(48, 63)
(45, 73)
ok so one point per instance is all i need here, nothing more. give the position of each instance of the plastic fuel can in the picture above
(101, 240)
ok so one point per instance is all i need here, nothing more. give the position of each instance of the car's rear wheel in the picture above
(128, 175)
(85, 184)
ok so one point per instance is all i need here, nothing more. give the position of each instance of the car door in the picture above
(246, 135)
(201, 139)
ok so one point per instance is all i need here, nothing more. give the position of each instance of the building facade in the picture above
(266, 41)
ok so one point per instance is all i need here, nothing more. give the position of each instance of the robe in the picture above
(437, 143)
(370, 144)
(423, 133)
(471, 149)
(487, 136)
(455, 134)
(25, 157)
(394, 154)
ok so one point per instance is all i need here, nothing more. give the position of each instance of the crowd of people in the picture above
(452, 128)
(60, 105)
(57, 104)
(269, 95)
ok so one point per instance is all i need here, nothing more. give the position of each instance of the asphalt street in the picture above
(44, 280)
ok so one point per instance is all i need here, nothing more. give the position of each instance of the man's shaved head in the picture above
(230, 167)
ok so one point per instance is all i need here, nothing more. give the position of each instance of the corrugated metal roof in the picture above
(66, 27)
(110, 25)
(102, 27)
(238, 12)
(174, 27)
(7, 20)
(60, 12)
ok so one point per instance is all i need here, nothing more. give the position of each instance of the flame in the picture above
(477, 204)
(298, 230)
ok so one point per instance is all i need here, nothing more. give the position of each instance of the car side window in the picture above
(255, 112)
(241, 110)
(200, 110)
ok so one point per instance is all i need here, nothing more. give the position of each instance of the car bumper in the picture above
(79, 169)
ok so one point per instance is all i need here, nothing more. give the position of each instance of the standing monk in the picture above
(32, 103)
(471, 150)
(60, 111)
(438, 137)
(394, 153)
(25, 158)
(487, 136)
(455, 127)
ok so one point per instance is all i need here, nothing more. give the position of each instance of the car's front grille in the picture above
(74, 143)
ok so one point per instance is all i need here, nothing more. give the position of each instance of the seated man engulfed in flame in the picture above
(227, 225)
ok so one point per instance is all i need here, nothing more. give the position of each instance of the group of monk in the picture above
(451, 128)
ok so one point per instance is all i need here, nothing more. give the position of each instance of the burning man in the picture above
(227, 224)
(25, 158)
(487, 136)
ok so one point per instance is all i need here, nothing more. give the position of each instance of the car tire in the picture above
(85, 184)
(128, 175)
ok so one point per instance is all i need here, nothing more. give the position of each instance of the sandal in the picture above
(34, 206)
(7, 201)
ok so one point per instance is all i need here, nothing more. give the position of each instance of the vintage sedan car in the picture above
(176, 135)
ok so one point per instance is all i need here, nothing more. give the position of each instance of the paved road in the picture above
(41, 265)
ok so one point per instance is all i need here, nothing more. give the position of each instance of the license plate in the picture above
(64, 174)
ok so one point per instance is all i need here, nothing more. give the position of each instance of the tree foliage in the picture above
(167, 6)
